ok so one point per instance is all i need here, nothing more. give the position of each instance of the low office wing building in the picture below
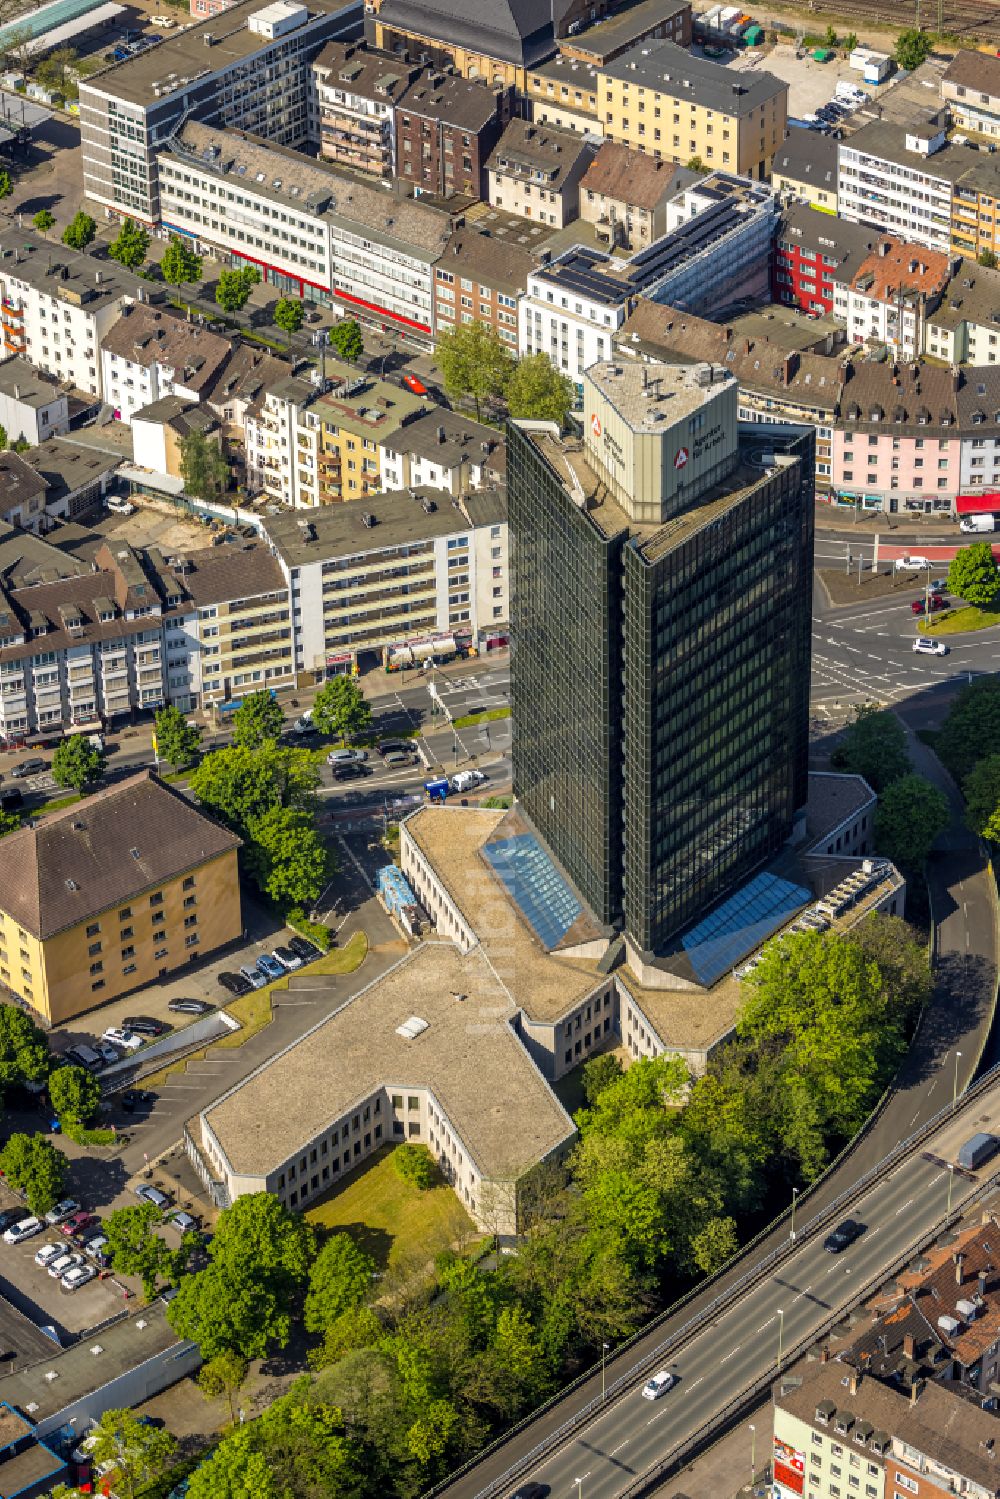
(104, 897)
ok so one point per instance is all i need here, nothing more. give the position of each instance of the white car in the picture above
(125, 1040)
(62, 1211)
(78, 1276)
(912, 564)
(66, 1262)
(924, 647)
(48, 1253)
(658, 1385)
(120, 506)
(26, 1229)
(465, 780)
(303, 725)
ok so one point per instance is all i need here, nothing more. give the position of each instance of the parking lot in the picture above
(40, 1296)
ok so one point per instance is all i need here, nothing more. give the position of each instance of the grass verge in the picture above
(471, 719)
(389, 1217)
(957, 621)
(61, 802)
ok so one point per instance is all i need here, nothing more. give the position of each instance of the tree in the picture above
(296, 1449)
(830, 39)
(911, 814)
(258, 717)
(873, 746)
(80, 231)
(131, 245)
(850, 43)
(971, 731)
(339, 1280)
(32, 1165)
(537, 391)
(177, 741)
(133, 1247)
(988, 259)
(233, 289)
(180, 265)
(138, 1452)
(24, 1050)
(75, 1094)
(9, 823)
(716, 1243)
(474, 363)
(3, 438)
(695, 164)
(241, 784)
(6, 183)
(982, 798)
(223, 1375)
(913, 48)
(204, 468)
(287, 857)
(973, 574)
(598, 1073)
(346, 338)
(77, 763)
(59, 71)
(289, 314)
(341, 709)
(43, 220)
(415, 1165)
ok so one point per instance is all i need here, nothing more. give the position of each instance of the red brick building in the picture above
(813, 253)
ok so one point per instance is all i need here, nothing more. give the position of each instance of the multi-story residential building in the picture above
(892, 293)
(56, 307)
(975, 209)
(446, 128)
(971, 89)
(479, 279)
(443, 450)
(815, 257)
(311, 229)
(249, 372)
(717, 248)
(33, 406)
(624, 193)
(564, 93)
(833, 1426)
(406, 576)
(500, 45)
(150, 353)
(535, 172)
(663, 99)
(250, 71)
(111, 894)
(237, 611)
(602, 38)
(901, 179)
(805, 166)
(606, 763)
(352, 106)
(964, 328)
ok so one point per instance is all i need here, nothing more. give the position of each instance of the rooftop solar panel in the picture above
(535, 885)
(740, 924)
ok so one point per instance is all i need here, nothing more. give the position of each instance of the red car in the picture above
(78, 1222)
(417, 386)
(936, 602)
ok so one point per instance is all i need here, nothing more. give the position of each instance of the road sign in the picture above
(682, 458)
(595, 425)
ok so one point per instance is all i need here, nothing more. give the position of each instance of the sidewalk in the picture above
(866, 523)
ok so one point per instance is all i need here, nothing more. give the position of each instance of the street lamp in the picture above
(795, 1194)
(781, 1334)
(951, 1183)
(579, 1487)
(604, 1349)
(753, 1453)
(954, 1092)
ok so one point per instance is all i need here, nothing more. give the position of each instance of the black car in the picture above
(303, 949)
(190, 1007)
(351, 771)
(531, 1491)
(136, 1098)
(31, 767)
(10, 1216)
(234, 983)
(145, 1025)
(843, 1235)
(395, 747)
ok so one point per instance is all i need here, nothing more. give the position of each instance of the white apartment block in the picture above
(282, 445)
(900, 179)
(965, 327)
(150, 353)
(571, 315)
(57, 306)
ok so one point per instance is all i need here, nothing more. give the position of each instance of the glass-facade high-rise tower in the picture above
(661, 593)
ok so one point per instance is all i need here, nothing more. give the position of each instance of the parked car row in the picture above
(270, 966)
(76, 1260)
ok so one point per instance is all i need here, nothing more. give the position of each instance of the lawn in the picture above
(956, 621)
(397, 1224)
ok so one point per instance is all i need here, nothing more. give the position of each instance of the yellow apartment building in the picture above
(111, 894)
(975, 209)
(664, 100)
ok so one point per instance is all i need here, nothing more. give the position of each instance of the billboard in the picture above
(789, 1467)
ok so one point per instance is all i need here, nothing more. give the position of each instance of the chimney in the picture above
(747, 345)
(982, 1282)
(440, 434)
(916, 1390)
(958, 1260)
(909, 1345)
(17, 392)
(789, 368)
(824, 1356)
(854, 1381)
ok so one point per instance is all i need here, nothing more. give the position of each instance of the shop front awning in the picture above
(986, 502)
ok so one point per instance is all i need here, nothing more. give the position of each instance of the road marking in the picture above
(698, 1381)
(615, 1450)
(906, 1205)
(733, 1354)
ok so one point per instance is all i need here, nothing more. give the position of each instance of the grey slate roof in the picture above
(513, 31)
(669, 69)
(807, 156)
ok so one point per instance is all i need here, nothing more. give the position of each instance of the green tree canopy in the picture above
(537, 391)
(24, 1050)
(6, 183)
(474, 363)
(911, 814)
(130, 246)
(340, 1279)
(973, 574)
(204, 467)
(346, 338)
(982, 798)
(874, 746)
(75, 1094)
(232, 291)
(138, 1453)
(289, 314)
(988, 259)
(43, 220)
(180, 265)
(913, 48)
(177, 741)
(241, 784)
(135, 1249)
(77, 763)
(34, 1166)
(80, 231)
(258, 718)
(287, 857)
(971, 731)
(341, 709)
(415, 1165)
(223, 1375)
(296, 1449)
